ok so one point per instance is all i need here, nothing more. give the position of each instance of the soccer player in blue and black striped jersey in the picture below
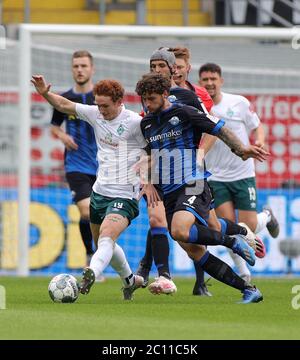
(163, 61)
(173, 132)
(80, 145)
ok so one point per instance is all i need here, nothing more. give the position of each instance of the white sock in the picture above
(262, 219)
(120, 264)
(240, 263)
(103, 255)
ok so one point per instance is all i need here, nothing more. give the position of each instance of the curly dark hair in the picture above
(111, 88)
(153, 83)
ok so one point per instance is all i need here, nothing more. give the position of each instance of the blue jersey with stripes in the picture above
(173, 136)
(84, 159)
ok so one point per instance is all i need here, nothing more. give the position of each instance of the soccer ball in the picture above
(63, 288)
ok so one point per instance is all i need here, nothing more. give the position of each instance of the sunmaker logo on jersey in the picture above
(168, 135)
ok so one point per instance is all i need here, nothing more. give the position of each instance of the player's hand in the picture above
(69, 142)
(40, 84)
(151, 194)
(255, 152)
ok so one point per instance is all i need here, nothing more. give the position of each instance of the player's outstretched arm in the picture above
(259, 134)
(207, 142)
(237, 147)
(59, 102)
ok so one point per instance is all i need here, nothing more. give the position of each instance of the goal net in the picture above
(39, 231)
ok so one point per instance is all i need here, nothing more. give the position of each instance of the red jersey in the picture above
(204, 96)
(202, 93)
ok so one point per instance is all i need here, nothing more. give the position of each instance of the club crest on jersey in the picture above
(174, 121)
(172, 98)
(230, 112)
(120, 129)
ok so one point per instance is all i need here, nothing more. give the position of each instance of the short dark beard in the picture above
(81, 83)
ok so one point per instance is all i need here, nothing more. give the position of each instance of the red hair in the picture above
(111, 88)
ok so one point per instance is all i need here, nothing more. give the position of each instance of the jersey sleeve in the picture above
(137, 131)
(250, 117)
(87, 113)
(204, 122)
(57, 118)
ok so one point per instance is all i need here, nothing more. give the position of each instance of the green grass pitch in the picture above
(30, 314)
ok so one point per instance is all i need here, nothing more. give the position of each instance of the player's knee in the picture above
(157, 221)
(179, 233)
(105, 231)
(85, 215)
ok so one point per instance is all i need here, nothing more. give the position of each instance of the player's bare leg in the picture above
(226, 210)
(213, 221)
(185, 228)
(110, 252)
(249, 218)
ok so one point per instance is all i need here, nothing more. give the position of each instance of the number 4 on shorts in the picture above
(191, 199)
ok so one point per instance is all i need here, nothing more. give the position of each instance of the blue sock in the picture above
(229, 227)
(200, 234)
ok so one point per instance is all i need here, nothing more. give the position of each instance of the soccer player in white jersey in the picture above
(233, 180)
(114, 200)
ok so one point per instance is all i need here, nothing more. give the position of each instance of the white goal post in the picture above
(26, 33)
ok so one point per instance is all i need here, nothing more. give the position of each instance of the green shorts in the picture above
(242, 193)
(101, 206)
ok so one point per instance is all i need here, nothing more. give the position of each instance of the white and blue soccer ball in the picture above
(63, 288)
